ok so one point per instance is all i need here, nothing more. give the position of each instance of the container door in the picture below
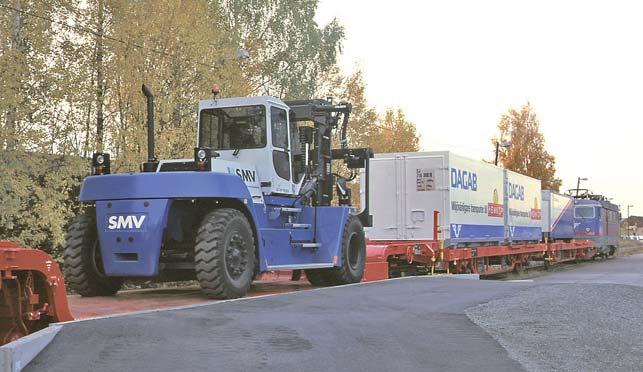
(424, 192)
(384, 194)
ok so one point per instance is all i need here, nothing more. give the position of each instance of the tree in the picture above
(396, 133)
(527, 153)
(38, 189)
(391, 132)
(290, 52)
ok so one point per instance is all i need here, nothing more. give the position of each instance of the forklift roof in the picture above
(241, 101)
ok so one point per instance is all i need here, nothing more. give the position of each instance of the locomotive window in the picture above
(584, 212)
(232, 128)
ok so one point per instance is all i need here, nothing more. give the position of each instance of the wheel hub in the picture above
(235, 256)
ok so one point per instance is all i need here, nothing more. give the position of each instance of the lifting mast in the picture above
(325, 116)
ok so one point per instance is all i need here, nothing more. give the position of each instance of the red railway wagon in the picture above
(388, 259)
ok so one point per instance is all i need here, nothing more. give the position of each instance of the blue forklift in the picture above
(257, 196)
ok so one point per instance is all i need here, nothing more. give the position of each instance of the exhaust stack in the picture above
(151, 164)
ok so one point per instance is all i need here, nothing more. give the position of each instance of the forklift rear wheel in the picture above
(353, 254)
(225, 254)
(83, 263)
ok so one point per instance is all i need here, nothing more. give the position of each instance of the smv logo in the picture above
(456, 230)
(125, 222)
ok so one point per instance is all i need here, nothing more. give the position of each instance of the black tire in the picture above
(353, 255)
(296, 275)
(353, 259)
(318, 277)
(225, 254)
(83, 266)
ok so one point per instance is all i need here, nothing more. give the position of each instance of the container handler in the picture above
(256, 197)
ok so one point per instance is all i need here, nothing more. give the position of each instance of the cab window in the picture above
(232, 128)
(298, 158)
(584, 212)
(280, 155)
(279, 127)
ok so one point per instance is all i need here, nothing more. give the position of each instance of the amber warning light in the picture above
(215, 89)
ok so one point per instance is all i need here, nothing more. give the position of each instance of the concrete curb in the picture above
(15, 355)
(465, 276)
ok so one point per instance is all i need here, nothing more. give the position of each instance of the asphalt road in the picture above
(405, 324)
(584, 318)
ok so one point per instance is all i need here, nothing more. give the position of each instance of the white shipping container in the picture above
(523, 205)
(405, 189)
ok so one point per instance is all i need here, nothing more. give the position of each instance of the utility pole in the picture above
(578, 184)
(627, 221)
(504, 144)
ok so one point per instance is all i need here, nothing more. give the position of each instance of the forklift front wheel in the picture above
(353, 254)
(225, 254)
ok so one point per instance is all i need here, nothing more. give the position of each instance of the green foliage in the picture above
(290, 52)
(38, 196)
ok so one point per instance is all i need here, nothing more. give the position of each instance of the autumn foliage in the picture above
(387, 132)
(527, 153)
(391, 131)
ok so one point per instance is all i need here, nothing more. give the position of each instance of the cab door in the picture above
(280, 144)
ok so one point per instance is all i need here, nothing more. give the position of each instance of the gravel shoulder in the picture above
(629, 247)
(568, 327)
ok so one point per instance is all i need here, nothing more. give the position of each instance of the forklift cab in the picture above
(256, 136)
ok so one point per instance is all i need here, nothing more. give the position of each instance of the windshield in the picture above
(584, 212)
(233, 128)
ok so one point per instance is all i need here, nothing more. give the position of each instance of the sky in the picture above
(455, 66)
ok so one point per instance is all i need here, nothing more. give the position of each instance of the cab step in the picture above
(289, 209)
(312, 245)
(298, 225)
